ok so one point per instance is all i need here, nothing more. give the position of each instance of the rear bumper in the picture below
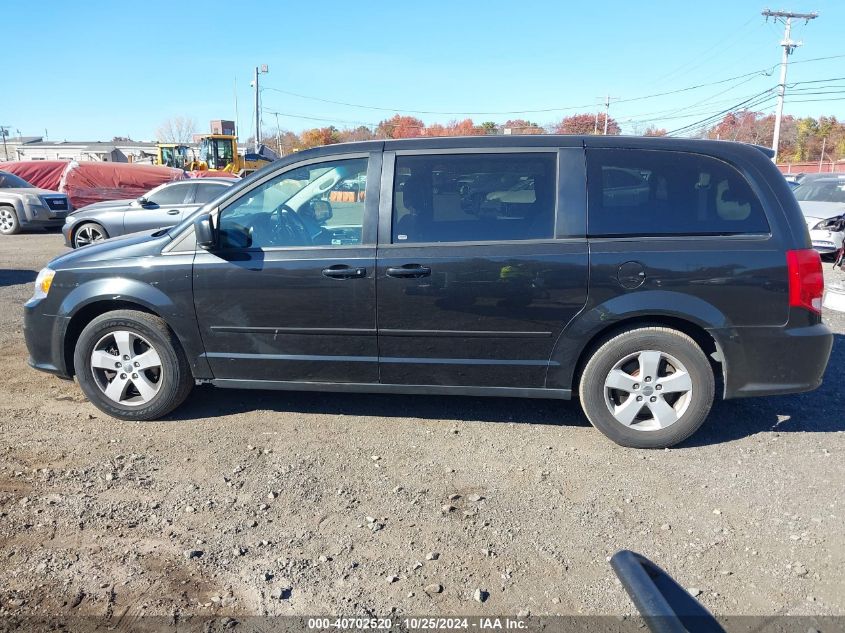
(44, 334)
(766, 361)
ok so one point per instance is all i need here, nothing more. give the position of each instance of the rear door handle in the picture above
(173, 212)
(414, 271)
(341, 271)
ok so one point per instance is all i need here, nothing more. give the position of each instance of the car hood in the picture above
(814, 210)
(33, 190)
(108, 205)
(140, 244)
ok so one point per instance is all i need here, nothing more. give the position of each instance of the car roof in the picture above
(222, 180)
(829, 177)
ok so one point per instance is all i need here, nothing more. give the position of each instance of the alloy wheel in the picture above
(7, 220)
(126, 368)
(88, 235)
(648, 390)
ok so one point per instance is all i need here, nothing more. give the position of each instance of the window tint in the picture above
(316, 205)
(644, 192)
(208, 191)
(474, 197)
(172, 194)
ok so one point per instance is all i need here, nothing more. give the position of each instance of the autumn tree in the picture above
(177, 129)
(318, 136)
(400, 126)
(360, 133)
(655, 131)
(586, 124)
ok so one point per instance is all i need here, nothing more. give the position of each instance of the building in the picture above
(11, 145)
(116, 151)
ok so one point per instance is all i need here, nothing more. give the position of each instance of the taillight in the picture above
(806, 281)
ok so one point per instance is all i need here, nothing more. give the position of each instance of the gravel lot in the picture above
(247, 503)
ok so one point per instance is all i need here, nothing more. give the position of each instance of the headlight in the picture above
(831, 224)
(33, 200)
(43, 283)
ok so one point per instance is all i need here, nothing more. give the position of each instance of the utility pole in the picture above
(607, 99)
(263, 70)
(278, 133)
(821, 158)
(4, 133)
(788, 47)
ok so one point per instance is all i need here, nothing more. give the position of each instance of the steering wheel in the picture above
(290, 230)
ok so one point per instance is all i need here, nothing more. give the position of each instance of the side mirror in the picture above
(204, 231)
(142, 201)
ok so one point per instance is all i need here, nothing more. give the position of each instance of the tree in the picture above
(655, 131)
(586, 124)
(489, 127)
(177, 129)
(360, 133)
(319, 136)
(747, 126)
(289, 142)
(400, 126)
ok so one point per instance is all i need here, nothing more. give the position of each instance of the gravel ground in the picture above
(248, 503)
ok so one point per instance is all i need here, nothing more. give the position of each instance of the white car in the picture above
(822, 200)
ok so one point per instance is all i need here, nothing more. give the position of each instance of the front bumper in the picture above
(766, 361)
(826, 241)
(44, 334)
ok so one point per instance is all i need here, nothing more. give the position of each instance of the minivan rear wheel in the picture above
(130, 366)
(648, 387)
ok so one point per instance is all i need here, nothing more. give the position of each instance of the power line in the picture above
(762, 71)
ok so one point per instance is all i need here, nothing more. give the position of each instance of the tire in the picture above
(9, 223)
(670, 409)
(88, 233)
(144, 386)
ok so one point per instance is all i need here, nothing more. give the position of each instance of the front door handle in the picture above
(341, 271)
(173, 212)
(414, 271)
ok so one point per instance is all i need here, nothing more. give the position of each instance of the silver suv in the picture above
(23, 206)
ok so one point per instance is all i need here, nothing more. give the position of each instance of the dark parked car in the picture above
(637, 274)
(164, 206)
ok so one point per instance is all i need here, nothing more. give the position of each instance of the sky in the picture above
(94, 70)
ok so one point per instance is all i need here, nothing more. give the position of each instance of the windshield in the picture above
(821, 191)
(10, 181)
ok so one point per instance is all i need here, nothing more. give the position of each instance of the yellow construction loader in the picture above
(219, 152)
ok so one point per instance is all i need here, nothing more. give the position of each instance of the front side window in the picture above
(474, 197)
(321, 204)
(654, 193)
(173, 194)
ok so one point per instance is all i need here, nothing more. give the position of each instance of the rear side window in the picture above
(206, 192)
(172, 194)
(474, 197)
(647, 192)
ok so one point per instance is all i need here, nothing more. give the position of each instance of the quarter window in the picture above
(315, 205)
(474, 197)
(648, 192)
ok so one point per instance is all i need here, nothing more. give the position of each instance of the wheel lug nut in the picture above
(658, 387)
(648, 378)
(123, 376)
(134, 375)
(653, 398)
(126, 357)
(636, 385)
(639, 398)
(117, 365)
(137, 364)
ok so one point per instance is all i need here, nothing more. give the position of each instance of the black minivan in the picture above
(637, 273)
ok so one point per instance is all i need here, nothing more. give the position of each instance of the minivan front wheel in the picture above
(649, 387)
(130, 365)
